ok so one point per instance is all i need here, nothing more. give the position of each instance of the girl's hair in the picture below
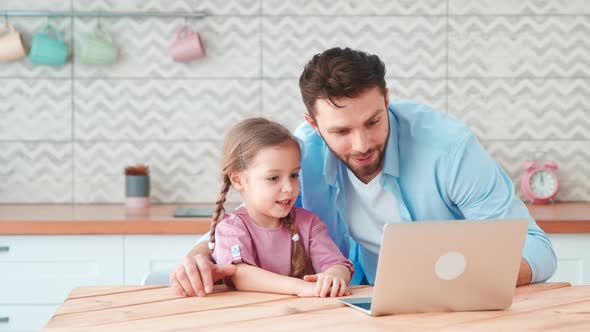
(242, 143)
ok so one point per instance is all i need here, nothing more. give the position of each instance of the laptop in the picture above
(446, 266)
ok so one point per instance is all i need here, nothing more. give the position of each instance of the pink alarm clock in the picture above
(539, 184)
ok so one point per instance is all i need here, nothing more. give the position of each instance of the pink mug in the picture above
(187, 46)
(12, 45)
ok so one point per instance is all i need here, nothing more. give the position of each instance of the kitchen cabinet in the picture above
(37, 272)
(149, 253)
(42, 269)
(573, 258)
(25, 317)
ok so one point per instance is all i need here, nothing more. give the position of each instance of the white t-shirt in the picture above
(369, 207)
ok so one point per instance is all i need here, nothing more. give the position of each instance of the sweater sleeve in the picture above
(482, 190)
(233, 243)
(323, 252)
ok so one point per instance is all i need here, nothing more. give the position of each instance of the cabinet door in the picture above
(573, 258)
(23, 318)
(154, 253)
(44, 269)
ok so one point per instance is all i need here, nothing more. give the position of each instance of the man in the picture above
(367, 162)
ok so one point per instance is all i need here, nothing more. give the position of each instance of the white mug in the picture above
(12, 45)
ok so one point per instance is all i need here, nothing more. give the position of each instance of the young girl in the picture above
(274, 244)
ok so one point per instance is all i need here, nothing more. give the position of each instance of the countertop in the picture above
(44, 219)
(96, 219)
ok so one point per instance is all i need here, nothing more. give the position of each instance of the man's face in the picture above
(356, 133)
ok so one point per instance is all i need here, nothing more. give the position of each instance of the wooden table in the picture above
(146, 308)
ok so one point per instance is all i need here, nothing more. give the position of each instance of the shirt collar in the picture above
(391, 159)
(391, 162)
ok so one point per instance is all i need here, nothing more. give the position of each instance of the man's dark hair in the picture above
(337, 73)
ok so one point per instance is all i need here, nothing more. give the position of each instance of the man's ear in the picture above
(236, 180)
(386, 97)
(311, 122)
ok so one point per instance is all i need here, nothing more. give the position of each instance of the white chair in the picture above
(156, 278)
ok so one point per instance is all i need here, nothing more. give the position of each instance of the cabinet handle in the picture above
(4, 319)
(4, 248)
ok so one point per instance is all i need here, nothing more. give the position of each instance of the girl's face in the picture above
(270, 184)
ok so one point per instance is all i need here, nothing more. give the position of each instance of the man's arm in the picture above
(480, 189)
(200, 248)
(525, 274)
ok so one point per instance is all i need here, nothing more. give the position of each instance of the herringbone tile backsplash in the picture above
(517, 72)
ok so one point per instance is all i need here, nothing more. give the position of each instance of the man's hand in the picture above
(196, 274)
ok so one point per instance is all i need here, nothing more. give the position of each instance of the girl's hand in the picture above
(327, 284)
(306, 289)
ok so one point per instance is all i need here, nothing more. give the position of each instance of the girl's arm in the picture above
(332, 282)
(255, 279)
(335, 271)
(323, 252)
(340, 271)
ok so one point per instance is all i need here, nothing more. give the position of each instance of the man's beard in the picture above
(366, 170)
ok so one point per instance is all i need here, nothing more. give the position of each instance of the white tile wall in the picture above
(179, 170)
(517, 72)
(410, 46)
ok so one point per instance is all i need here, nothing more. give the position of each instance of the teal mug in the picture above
(47, 49)
(97, 48)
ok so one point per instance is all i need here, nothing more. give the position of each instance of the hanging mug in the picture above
(187, 46)
(97, 48)
(47, 49)
(12, 45)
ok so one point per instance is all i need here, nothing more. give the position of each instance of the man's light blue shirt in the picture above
(435, 168)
